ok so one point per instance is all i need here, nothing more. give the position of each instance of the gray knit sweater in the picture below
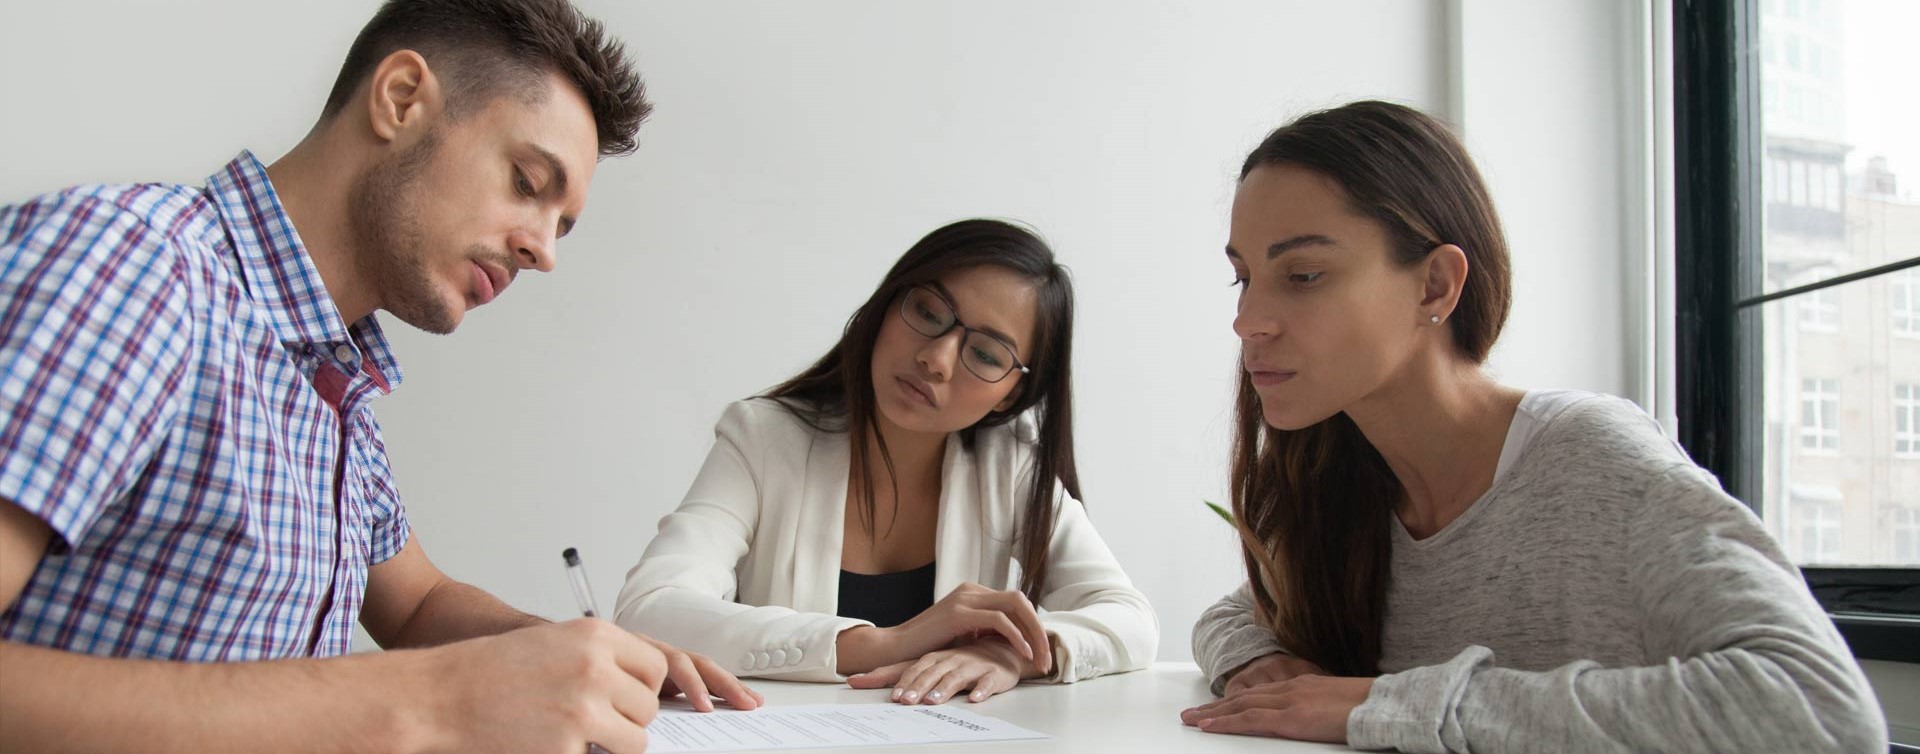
(1604, 595)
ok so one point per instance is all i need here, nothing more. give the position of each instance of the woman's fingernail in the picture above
(976, 696)
(912, 696)
(896, 695)
(933, 696)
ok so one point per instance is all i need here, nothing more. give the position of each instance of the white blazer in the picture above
(747, 570)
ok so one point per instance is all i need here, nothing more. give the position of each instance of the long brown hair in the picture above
(1314, 504)
(836, 393)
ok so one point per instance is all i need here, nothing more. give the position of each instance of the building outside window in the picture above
(1820, 311)
(1820, 415)
(1906, 420)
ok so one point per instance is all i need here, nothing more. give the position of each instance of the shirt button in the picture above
(344, 353)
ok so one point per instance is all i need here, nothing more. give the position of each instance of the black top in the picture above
(886, 599)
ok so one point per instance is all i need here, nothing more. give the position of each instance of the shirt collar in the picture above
(281, 278)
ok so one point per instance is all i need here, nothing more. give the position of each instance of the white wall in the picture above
(1539, 93)
(797, 149)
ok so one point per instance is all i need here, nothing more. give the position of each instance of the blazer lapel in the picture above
(816, 562)
(965, 532)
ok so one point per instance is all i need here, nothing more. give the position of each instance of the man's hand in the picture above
(699, 677)
(555, 687)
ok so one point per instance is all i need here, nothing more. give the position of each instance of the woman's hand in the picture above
(968, 612)
(1305, 708)
(985, 667)
(699, 677)
(1272, 668)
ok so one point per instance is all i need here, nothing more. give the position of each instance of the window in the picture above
(1820, 311)
(1811, 417)
(1906, 420)
(1903, 295)
(1906, 534)
(1820, 415)
(1818, 532)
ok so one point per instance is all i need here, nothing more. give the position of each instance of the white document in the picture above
(679, 729)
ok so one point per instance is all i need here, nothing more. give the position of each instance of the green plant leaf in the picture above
(1225, 515)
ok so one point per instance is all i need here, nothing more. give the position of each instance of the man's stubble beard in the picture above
(389, 253)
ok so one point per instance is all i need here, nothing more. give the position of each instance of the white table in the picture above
(1130, 712)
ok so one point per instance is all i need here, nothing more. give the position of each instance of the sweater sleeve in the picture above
(1227, 637)
(1743, 658)
(682, 591)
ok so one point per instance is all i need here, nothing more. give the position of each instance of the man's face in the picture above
(446, 223)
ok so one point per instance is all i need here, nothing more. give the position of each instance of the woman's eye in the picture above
(1306, 278)
(1238, 282)
(522, 185)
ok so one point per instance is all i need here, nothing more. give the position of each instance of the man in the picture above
(195, 503)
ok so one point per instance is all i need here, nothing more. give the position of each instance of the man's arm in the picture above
(524, 691)
(411, 603)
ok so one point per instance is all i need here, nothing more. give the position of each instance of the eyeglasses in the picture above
(985, 355)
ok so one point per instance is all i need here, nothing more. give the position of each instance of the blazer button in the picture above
(779, 657)
(761, 661)
(794, 655)
(747, 661)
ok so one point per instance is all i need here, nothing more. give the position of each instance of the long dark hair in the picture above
(836, 393)
(1314, 504)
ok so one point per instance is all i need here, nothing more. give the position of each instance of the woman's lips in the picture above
(1269, 378)
(915, 392)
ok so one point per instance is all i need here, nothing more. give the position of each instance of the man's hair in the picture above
(483, 49)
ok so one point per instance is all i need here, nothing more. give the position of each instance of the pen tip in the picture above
(572, 555)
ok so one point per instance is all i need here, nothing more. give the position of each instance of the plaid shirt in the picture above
(182, 404)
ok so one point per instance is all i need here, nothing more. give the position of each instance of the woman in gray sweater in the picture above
(1438, 562)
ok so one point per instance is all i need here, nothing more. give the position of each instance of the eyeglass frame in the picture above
(965, 330)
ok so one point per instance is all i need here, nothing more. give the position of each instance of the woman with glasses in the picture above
(905, 511)
(1438, 562)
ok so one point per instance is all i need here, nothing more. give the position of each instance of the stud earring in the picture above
(1433, 319)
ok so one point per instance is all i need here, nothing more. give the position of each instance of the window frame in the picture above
(1825, 430)
(1718, 285)
(1903, 287)
(1819, 312)
(1906, 408)
(1902, 527)
(1824, 525)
